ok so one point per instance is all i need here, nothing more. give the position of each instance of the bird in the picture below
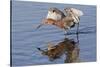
(58, 18)
(67, 47)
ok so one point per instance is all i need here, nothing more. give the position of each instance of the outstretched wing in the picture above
(77, 12)
(55, 14)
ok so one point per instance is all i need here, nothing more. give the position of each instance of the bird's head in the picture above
(53, 9)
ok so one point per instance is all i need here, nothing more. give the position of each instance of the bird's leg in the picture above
(77, 33)
(77, 29)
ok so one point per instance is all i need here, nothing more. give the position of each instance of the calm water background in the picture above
(25, 39)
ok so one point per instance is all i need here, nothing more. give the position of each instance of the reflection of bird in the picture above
(57, 18)
(68, 47)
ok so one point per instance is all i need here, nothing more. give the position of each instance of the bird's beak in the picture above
(39, 26)
(43, 22)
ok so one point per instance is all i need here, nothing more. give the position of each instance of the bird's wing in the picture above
(77, 11)
(53, 16)
(68, 19)
(68, 22)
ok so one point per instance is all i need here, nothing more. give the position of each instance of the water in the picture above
(25, 39)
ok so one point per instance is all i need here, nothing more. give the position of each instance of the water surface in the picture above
(25, 39)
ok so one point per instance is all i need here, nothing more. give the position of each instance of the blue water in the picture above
(25, 39)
